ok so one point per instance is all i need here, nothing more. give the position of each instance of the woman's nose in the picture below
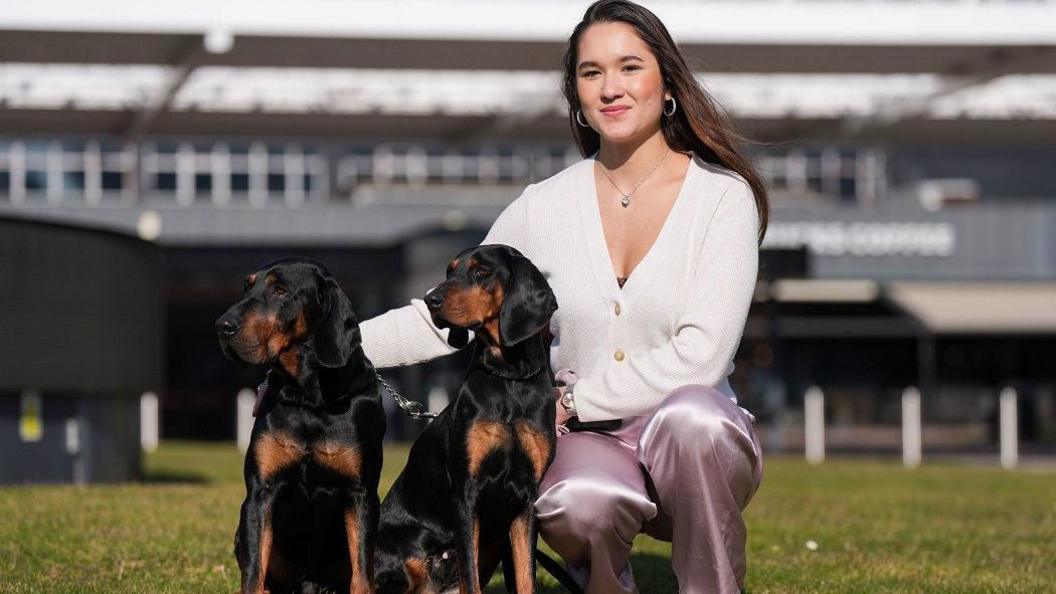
(611, 91)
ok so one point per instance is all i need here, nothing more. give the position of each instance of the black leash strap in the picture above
(413, 408)
(554, 568)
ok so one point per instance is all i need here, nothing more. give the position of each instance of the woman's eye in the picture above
(631, 68)
(590, 74)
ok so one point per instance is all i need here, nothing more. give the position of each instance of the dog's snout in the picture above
(434, 299)
(227, 325)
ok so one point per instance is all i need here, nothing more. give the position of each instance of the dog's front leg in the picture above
(361, 527)
(522, 546)
(469, 551)
(254, 542)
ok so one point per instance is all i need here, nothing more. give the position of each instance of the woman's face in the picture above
(618, 80)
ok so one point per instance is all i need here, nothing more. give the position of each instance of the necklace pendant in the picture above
(625, 201)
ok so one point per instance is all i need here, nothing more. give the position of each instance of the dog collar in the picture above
(262, 389)
(336, 402)
(511, 376)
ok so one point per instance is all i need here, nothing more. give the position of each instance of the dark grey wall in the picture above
(1006, 172)
(82, 310)
(81, 321)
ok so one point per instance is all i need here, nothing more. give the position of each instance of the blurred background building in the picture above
(154, 153)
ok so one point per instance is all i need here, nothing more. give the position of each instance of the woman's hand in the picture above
(562, 416)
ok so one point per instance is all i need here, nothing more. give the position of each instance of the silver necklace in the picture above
(625, 197)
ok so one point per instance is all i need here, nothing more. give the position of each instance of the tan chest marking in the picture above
(342, 458)
(482, 438)
(277, 450)
(535, 445)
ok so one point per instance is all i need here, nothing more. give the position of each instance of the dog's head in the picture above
(494, 291)
(410, 559)
(289, 306)
(419, 575)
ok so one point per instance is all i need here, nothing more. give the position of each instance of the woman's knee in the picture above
(588, 509)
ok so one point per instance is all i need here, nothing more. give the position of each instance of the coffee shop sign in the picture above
(867, 239)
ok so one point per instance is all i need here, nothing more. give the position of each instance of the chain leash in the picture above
(413, 408)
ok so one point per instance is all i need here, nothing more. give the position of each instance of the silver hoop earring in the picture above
(674, 108)
(579, 114)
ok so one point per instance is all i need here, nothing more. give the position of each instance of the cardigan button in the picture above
(617, 309)
(618, 355)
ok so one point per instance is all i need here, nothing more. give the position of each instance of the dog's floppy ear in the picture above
(528, 303)
(337, 332)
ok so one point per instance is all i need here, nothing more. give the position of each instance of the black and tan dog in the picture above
(309, 520)
(465, 499)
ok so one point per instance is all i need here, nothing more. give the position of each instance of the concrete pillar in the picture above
(814, 415)
(244, 417)
(148, 421)
(911, 432)
(438, 399)
(1009, 427)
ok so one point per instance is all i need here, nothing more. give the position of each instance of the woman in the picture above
(651, 247)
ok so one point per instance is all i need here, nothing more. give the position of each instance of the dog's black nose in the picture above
(434, 299)
(227, 326)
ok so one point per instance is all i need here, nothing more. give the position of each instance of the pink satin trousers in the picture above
(683, 474)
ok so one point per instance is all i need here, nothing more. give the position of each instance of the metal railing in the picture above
(848, 175)
(261, 175)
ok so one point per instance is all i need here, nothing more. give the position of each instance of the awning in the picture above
(972, 308)
(813, 290)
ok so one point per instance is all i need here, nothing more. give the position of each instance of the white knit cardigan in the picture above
(677, 320)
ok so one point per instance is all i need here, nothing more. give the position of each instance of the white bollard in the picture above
(1009, 428)
(814, 413)
(438, 399)
(74, 449)
(911, 435)
(148, 421)
(244, 417)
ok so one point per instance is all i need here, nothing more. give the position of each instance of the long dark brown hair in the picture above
(699, 124)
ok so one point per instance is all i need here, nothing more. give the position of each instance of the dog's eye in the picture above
(280, 291)
(481, 273)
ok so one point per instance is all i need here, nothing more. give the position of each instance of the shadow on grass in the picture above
(652, 574)
(193, 463)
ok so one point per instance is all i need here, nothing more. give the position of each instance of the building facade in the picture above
(912, 238)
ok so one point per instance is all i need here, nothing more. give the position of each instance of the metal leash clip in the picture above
(413, 408)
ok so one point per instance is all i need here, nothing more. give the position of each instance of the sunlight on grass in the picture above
(875, 526)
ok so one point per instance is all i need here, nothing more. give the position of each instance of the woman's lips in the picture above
(614, 112)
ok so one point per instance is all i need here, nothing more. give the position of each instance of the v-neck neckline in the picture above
(590, 213)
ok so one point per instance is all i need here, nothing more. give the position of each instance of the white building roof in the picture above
(843, 22)
(202, 66)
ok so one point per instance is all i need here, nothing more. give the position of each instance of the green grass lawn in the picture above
(878, 528)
